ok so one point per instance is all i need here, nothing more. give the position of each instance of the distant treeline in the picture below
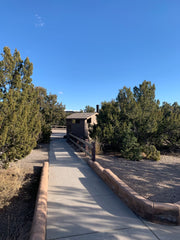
(136, 125)
(26, 112)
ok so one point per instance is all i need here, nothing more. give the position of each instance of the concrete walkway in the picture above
(81, 206)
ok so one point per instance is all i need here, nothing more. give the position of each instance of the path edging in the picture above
(38, 230)
(141, 206)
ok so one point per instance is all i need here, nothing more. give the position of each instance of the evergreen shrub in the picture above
(151, 152)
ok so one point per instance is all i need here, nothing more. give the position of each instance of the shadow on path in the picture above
(81, 206)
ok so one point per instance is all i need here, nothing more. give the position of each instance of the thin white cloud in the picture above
(39, 21)
(60, 93)
(72, 110)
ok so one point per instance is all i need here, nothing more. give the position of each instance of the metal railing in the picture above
(88, 148)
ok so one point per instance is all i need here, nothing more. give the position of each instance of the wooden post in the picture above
(86, 147)
(93, 151)
(68, 137)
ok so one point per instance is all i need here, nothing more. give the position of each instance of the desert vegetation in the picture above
(136, 125)
(26, 111)
(11, 181)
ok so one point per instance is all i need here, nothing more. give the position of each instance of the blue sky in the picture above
(86, 50)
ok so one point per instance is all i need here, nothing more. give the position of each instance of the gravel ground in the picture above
(156, 181)
(16, 218)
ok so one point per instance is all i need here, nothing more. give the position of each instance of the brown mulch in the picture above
(16, 218)
(157, 181)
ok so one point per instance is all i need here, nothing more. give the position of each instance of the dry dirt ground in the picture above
(158, 181)
(16, 217)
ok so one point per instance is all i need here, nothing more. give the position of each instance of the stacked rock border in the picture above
(153, 211)
(38, 230)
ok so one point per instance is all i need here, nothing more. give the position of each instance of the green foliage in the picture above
(129, 147)
(168, 134)
(20, 120)
(106, 131)
(45, 132)
(148, 112)
(26, 112)
(52, 111)
(136, 120)
(151, 152)
(89, 109)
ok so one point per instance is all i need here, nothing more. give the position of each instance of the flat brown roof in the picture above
(80, 115)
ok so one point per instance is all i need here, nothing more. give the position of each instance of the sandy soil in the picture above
(156, 181)
(16, 218)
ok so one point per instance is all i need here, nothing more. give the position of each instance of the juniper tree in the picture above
(107, 129)
(20, 121)
(52, 112)
(89, 109)
(129, 125)
(168, 134)
(148, 112)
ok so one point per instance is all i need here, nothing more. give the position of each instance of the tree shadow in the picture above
(157, 181)
(90, 209)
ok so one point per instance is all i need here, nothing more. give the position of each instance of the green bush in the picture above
(45, 133)
(130, 148)
(151, 152)
(20, 119)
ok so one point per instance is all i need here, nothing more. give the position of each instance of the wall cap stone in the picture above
(38, 230)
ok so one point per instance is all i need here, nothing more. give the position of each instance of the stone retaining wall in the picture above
(143, 207)
(38, 230)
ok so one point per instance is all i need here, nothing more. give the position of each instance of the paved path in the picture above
(81, 206)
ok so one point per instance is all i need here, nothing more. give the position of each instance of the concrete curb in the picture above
(143, 207)
(38, 230)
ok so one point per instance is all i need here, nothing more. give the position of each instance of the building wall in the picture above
(87, 123)
(75, 128)
(79, 127)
